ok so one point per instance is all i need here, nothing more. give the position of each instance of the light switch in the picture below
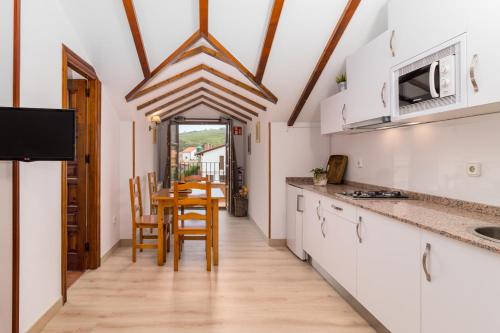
(359, 163)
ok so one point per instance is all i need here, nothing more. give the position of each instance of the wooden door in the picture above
(77, 180)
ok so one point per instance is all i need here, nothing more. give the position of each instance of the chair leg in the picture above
(208, 251)
(134, 243)
(141, 237)
(168, 237)
(176, 252)
(164, 243)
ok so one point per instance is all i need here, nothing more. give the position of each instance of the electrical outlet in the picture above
(114, 219)
(474, 169)
(360, 163)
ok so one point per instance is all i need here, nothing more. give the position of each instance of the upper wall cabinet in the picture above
(483, 52)
(416, 26)
(368, 80)
(333, 113)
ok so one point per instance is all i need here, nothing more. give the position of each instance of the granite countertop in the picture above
(446, 220)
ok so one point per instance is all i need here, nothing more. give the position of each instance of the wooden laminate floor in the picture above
(256, 288)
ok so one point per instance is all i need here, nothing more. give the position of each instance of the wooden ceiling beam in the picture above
(234, 94)
(202, 49)
(136, 35)
(203, 17)
(226, 107)
(268, 42)
(177, 107)
(210, 83)
(169, 113)
(169, 93)
(175, 100)
(230, 101)
(236, 63)
(224, 112)
(195, 69)
(337, 33)
(170, 59)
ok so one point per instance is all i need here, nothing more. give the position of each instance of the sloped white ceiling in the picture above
(240, 25)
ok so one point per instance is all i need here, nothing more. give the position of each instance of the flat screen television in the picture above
(31, 134)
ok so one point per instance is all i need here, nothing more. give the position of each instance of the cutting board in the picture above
(336, 168)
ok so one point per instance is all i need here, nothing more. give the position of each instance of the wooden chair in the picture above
(153, 188)
(194, 178)
(141, 221)
(198, 226)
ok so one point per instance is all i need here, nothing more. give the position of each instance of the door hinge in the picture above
(87, 92)
(87, 158)
(87, 246)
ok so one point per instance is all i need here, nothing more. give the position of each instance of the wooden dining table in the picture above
(165, 199)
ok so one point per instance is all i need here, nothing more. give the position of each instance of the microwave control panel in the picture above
(447, 72)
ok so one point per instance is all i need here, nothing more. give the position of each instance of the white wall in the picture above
(125, 172)
(6, 11)
(429, 158)
(294, 152)
(40, 266)
(110, 176)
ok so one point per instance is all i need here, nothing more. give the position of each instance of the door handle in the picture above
(358, 232)
(298, 199)
(343, 115)
(382, 97)
(432, 85)
(317, 210)
(472, 73)
(322, 228)
(425, 256)
(390, 43)
(337, 208)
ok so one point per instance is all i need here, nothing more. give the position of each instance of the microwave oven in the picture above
(431, 82)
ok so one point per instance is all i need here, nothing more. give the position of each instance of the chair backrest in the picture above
(203, 200)
(152, 188)
(135, 198)
(194, 178)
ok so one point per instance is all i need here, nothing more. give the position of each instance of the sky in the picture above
(191, 128)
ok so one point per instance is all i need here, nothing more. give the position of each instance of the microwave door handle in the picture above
(432, 86)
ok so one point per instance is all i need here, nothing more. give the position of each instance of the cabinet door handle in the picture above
(472, 73)
(298, 199)
(317, 210)
(337, 208)
(427, 253)
(343, 114)
(382, 97)
(390, 43)
(322, 228)
(358, 232)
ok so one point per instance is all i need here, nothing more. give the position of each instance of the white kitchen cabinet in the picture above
(463, 294)
(368, 73)
(389, 271)
(416, 26)
(340, 246)
(333, 111)
(312, 233)
(483, 52)
(294, 220)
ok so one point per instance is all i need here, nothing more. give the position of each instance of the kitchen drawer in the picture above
(340, 208)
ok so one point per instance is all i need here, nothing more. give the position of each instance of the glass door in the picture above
(171, 172)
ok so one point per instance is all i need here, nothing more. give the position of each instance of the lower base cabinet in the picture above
(341, 244)
(389, 271)
(463, 294)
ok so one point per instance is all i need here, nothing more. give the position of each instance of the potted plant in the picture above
(341, 81)
(319, 176)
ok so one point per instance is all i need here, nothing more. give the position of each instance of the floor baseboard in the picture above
(125, 242)
(110, 251)
(40, 324)
(271, 242)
